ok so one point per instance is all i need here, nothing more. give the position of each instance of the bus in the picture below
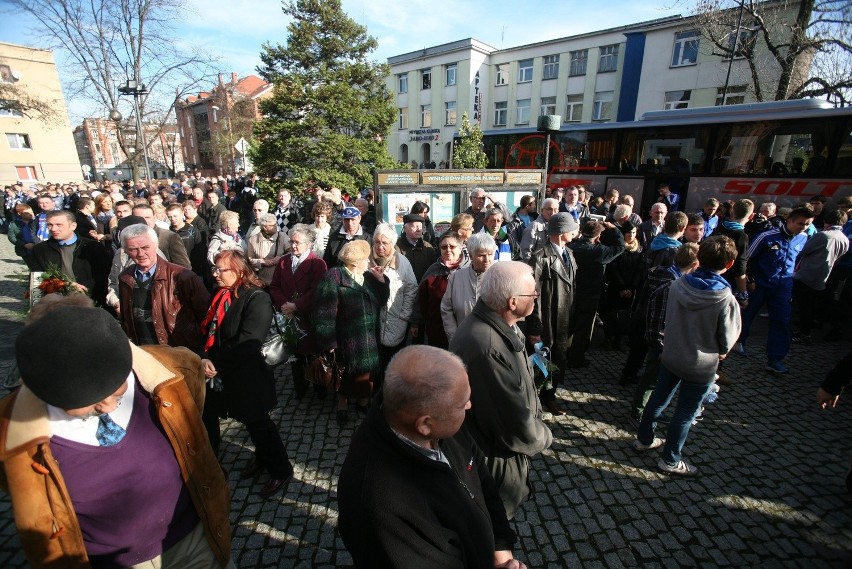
(784, 151)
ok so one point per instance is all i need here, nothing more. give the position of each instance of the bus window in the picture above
(844, 157)
(592, 152)
(676, 151)
(769, 148)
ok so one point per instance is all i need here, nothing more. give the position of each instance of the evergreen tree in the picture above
(330, 112)
(468, 153)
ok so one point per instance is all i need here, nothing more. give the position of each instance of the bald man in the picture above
(414, 491)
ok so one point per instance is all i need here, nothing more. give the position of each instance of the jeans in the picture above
(688, 404)
(645, 386)
(779, 301)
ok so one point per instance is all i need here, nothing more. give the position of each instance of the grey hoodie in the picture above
(702, 323)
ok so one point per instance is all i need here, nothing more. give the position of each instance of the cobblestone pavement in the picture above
(771, 493)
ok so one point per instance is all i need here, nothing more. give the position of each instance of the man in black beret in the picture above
(417, 250)
(105, 456)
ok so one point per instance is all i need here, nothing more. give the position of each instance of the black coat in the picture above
(398, 508)
(90, 264)
(592, 259)
(249, 384)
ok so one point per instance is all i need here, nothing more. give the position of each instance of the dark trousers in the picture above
(638, 347)
(807, 302)
(269, 449)
(584, 321)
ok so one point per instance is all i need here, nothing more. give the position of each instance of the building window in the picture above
(685, 50)
(522, 111)
(736, 95)
(403, 117)
(574, 110)
(502, 74)
(609, 58)
(548, 106)
(402, 80)
(451, 71)
(425, 116)
(677, 100)
(525, 70)
(551, 67)
(450, 113)
(501, 111)
(6, 111)
(426, 79)
(26, 173)
(18, 141)
(603, 106)
(6, 74)
(743, 44)
(578, 62)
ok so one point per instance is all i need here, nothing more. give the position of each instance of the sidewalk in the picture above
(771, 492)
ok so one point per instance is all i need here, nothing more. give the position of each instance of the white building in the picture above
(610, 75)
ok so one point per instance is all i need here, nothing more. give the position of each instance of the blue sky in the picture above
(236, 29)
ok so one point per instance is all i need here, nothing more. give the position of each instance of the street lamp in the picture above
(228, 136)
(547, 124)
(135, 89)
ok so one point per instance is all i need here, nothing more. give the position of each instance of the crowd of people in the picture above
(451, 344)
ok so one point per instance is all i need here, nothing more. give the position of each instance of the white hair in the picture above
(622, 211)
(138, 230)
(480, 242)
(501, 282)
(385, 230)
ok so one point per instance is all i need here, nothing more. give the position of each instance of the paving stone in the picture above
(764, 498)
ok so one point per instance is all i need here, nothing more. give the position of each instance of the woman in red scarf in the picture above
(235, 328)
(432, 287)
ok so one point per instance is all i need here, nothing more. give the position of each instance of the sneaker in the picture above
(776, 367)
(740, 349)
(681, 468)
(656, 443)
(803, 339)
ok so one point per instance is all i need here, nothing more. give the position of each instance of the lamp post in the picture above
(133, 88)
(547, 124)
(228, 134)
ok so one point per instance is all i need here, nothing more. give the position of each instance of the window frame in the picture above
(571, 105)
(679, 48)
(402, 118)
(739, 91)
(502, 74)
(451, 67)
(548, 108)
(519, 118)
(608, 57)
(598, 105)
(426, 79)
(426, 113)
(448, 110)
(402, 78)
(501, 111)
(524, 70)
(551, 67)
(23, 141)
(680, 103)
(578, 58)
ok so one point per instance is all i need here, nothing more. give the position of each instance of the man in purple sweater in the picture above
(104, 454)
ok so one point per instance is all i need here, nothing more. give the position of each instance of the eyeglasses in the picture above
(217, 270)
(533, 295)
(477, 197)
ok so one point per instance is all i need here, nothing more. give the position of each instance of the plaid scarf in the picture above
(215, 314)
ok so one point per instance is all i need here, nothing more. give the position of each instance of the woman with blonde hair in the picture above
(227, 237)
(347, 304)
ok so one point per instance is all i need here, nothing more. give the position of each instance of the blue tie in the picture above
(109, 432)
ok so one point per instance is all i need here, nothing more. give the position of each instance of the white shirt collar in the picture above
(85, 430)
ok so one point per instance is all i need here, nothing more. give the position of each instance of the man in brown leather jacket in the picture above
(161, 303)
(138, 480)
